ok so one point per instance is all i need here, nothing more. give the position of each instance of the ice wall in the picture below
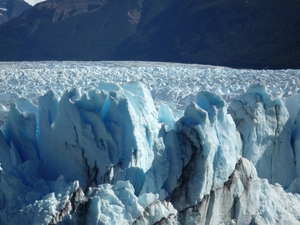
(107, 156)
(245, 199)
(265, 128)
(98, 136)
(200, 152)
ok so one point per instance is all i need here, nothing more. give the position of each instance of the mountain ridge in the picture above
(248, 34)
(223, 34)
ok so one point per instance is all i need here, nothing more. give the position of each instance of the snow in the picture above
(147, 142)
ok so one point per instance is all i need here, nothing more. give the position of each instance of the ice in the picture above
(100, 131)
(113, 204)
(268, 204)
(211, 148)
(170, 83)
(292, 103)
(166, 117)
(148, 142)
(266, 133)
(9, 155)
(197, 156)
(147, 198)
(20, 129)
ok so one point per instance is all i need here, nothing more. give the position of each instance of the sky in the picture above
(33, 2)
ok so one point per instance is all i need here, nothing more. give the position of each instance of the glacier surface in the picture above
(148, 143)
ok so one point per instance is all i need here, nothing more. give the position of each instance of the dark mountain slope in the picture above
(71, 30)
(235, 33)
(251, 34)
(12, 8)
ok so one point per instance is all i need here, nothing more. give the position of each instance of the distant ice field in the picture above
(172, 83)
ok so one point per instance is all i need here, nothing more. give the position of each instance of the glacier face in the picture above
(265, 128)
(110, 144)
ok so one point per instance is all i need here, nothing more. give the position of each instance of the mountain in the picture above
(249, 34)
(11, 8)
(241, 34)
(74, 30)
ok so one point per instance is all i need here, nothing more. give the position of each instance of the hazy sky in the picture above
(33, 2)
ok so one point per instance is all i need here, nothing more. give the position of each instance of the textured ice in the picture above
(146, 143)
(245, 199)
(171, 83)
(202, 151)
(109, 134)
(265, 129)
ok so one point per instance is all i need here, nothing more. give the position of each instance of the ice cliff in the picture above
(108, 156)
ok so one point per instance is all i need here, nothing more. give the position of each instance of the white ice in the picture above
(171, 83)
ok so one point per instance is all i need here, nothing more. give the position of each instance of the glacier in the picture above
(148, 143)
